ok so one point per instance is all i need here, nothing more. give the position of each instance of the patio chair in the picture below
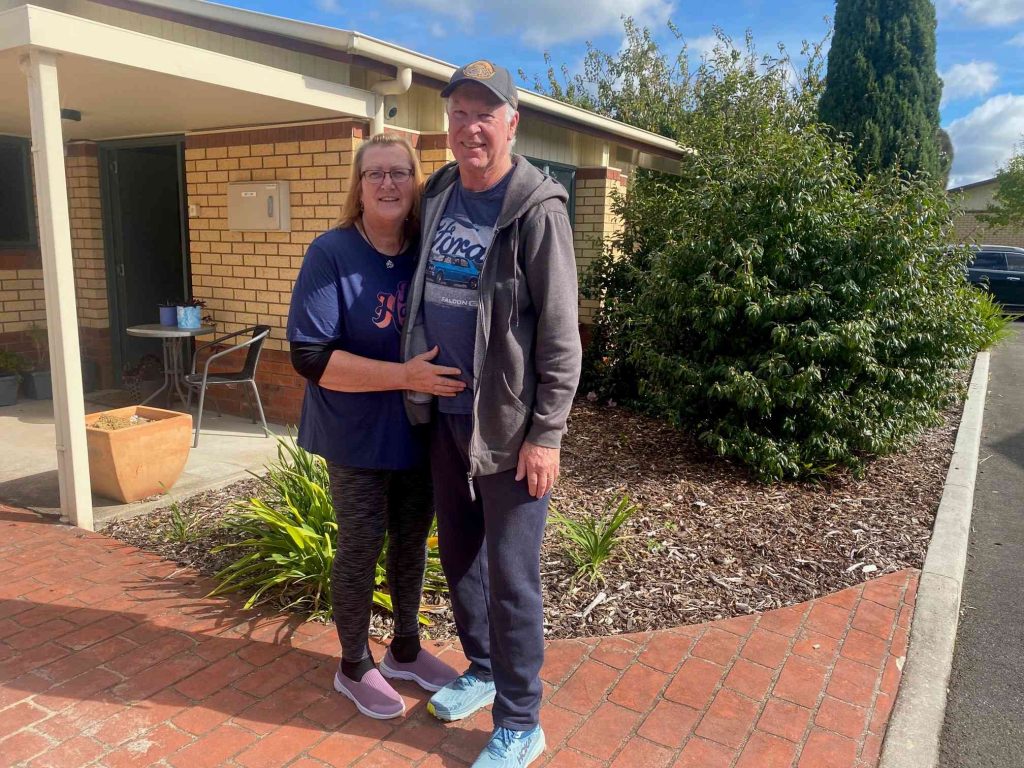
(256, 334)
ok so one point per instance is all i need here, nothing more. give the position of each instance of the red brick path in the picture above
(112, 657)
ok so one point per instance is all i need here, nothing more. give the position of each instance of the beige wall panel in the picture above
(229, 45)
(976, 198)
(546, 142)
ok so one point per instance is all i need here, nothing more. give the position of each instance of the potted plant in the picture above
(136, 452)
(190, 313)
(168, 312)
(38, 384)
(12, 365)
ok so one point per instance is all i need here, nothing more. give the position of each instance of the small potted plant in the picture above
(190, 313)
(38, 384)
(168, 312)
(12, 365)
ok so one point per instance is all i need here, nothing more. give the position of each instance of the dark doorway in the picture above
(146, 237)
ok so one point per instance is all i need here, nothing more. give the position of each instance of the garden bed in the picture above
(706, 542)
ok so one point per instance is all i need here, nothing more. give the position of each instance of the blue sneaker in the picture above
(461, 698)
(512, 749)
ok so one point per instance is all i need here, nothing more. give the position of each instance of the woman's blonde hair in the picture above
(352, 208)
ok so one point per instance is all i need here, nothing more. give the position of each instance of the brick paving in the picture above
(110, 656)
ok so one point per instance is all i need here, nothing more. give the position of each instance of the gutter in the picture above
(357, 44)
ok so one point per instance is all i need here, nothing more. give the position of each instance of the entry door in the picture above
(146, 257)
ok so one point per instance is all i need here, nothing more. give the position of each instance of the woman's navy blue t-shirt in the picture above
(348, 298)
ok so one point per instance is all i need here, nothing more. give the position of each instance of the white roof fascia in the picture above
(972, 185)
(372, 48)
(14, 31)
(68, 34)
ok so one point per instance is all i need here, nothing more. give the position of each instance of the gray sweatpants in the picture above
(369, 503)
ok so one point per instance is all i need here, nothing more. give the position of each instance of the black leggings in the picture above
(368, 502)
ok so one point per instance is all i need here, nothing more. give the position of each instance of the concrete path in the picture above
(229, 447)
(113, 657)
(984, 725)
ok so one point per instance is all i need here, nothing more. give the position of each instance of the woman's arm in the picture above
(344, 372)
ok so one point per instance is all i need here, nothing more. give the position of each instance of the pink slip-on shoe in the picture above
(428, 671)
(373, 695)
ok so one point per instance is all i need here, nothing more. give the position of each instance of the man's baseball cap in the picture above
(496, 79)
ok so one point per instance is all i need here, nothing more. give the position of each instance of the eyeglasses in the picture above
(398, 175)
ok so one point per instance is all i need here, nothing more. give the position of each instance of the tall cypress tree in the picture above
(882, 86)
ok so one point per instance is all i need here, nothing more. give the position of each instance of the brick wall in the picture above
(969, 229)
(87, 254)
(433, 151)
(22, 302)
(595, 222)
(246, 278)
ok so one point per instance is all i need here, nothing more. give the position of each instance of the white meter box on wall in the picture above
(259, 206)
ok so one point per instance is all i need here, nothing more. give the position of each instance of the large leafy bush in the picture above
(798, 316)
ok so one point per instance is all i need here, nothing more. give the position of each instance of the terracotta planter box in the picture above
(141, 460)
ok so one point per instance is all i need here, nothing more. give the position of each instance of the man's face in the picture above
(478, 133)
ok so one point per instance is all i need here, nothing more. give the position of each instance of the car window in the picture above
(1015, 261)
(989, 260)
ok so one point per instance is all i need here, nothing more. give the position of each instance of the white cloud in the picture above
(543, 23)
(986, 138)
(699, 47)
(437, 29)
(963, 81)
(1017, 40)
(328, 6)
(990, 12)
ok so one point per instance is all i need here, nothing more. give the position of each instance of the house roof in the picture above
(363, 49)
(972, 185)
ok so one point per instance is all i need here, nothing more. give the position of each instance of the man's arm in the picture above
(550, 267)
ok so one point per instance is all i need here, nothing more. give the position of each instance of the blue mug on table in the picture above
(189, 317)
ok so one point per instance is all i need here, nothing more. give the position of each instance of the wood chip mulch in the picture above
(706, 542)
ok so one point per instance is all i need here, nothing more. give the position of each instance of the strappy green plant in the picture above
(287, 540)
(593, 540)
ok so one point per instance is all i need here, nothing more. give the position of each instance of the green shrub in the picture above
(593, 540)
(797, 317)
(997, 324)
(182, 526)
(12, 363)
(287, 540)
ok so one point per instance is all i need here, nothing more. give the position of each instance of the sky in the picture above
(980, 45)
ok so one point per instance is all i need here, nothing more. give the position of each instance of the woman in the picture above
(344, 325)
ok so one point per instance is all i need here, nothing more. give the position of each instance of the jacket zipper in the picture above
(483, 354)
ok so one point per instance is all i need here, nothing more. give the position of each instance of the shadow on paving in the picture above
(111, 674)
(111, 654)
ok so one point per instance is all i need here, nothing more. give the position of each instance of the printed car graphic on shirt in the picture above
(452, 270)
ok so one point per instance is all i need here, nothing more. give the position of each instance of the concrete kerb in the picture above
(912, 738)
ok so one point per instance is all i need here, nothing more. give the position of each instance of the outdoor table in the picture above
(174, 361)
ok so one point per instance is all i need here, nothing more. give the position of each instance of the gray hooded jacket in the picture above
(528, 355)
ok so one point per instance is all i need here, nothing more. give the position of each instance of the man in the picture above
(496, 291)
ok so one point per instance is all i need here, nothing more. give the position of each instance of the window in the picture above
(564, 175)
(17, 216)
(989, 260)
(1015, 261)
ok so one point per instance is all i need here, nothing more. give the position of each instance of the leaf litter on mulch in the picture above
(706, 541)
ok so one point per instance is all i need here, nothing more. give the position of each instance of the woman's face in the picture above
(387, 199)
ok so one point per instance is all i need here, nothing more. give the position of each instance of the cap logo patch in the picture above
(479, 70)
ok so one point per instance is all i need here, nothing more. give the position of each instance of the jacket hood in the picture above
(528, 188)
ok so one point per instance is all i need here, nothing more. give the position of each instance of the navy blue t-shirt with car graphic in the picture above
(451, 295)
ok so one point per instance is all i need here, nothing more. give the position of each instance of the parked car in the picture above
(999, 269)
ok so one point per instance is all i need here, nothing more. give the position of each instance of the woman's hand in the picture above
(423, 376)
